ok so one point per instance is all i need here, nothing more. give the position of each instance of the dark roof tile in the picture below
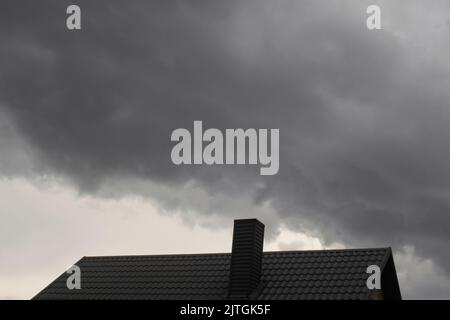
(328, 274)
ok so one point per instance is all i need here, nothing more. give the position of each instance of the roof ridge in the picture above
(228, 253)
(158, 255)
(328, 250)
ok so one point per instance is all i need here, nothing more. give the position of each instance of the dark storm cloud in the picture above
(363, 116)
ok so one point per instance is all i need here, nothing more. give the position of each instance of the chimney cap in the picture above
(248, 220)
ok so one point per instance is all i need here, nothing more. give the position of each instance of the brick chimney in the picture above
(246, 257)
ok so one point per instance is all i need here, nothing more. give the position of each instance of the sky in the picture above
(86, 118)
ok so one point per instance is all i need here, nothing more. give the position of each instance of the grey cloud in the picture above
(363, 116)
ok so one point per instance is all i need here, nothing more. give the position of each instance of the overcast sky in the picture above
(86, 118)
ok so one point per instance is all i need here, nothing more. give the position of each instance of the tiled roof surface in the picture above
(325, 274)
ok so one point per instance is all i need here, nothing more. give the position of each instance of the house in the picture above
(245, 273)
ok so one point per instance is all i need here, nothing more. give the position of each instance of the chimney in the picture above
(246, 257)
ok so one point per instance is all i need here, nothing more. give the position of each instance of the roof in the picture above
(322, 274)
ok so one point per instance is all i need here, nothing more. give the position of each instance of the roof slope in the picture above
(324, 274)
